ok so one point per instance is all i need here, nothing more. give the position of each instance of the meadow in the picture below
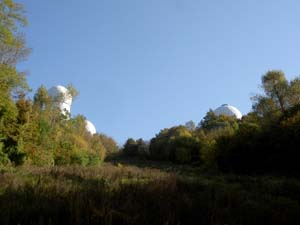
(144, 193)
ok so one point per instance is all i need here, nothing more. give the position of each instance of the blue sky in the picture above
(144, 65)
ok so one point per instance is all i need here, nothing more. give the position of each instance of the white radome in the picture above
(228, 110)
(61, 97)
(90, 127)
(61, 92)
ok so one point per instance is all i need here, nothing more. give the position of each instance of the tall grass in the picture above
(129, 195)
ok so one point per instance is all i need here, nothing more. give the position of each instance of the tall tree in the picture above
(12, 41)
(279, 95)
(275, 87)
(41, 98)
(12, 82)
(294, 92)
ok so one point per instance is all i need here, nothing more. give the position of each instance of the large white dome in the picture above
(90, 127)
(228, 110)
(62, 97)
(61, 94)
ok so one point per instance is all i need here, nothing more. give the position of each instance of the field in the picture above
(119, 193)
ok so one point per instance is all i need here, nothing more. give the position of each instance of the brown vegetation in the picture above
(118, 194)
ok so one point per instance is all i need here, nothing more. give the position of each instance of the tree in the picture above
(41, 98)
(130, 147)
(109, 143)
(266, 108)
(72, 91)
(143, 147)
(172, 144)
(12, 42)
(276, 90)
(211, 122)
(12, 83)
(190, 125)
(12, 46)
(294, 92)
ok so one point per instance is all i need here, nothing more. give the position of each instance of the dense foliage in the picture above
(34, 131)
(265, 140)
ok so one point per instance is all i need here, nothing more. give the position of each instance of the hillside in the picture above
(124, 194)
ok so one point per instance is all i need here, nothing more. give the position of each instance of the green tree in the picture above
(12, 42)
(130, 147)
(109, 143)
(276, 94)
(12, 83)
(275, 86)
(211, 121)
(172, 144)
(294, 92)
(41, 98)
(143, 148)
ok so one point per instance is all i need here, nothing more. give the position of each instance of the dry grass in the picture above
(120, 194)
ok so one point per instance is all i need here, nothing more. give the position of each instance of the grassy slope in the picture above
(124, 194)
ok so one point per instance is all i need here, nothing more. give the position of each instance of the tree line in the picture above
(33, 131)
(266, 140)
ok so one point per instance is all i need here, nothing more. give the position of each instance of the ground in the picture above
(144, 192)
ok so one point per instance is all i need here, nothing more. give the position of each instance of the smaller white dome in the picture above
(228, 110)
(90, 127)
(62, 93)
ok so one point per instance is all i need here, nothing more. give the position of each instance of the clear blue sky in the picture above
(144, 65)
